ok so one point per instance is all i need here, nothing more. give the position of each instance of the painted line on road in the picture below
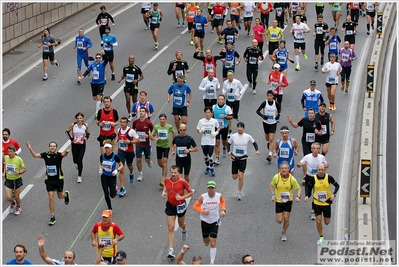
(64, 45)
(157, 54)
(183, 32)
(23, 193)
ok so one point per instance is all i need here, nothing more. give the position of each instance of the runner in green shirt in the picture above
(161, 135)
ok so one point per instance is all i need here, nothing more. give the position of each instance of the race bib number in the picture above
(107, 166)
(313, 170)
(349, 32)
(178, 100)
(233, 10)
(310, 137)
(322, 196)
(179, 72)
(273, 35)
(319, 30)
(221, 123)
(324, 129)
(129, 78)
(230, 38)
(122, 145)
(154, 20)
(10, 168)
(142, 136)
(273, 86)
(218, 16)
(181, 208)
(106, 125)
(209, 67)
(96, 74)
(239, 151)
(106, 241)
(344, 57)
(198, 26)
(79, 44)
(281, 60)
(228, 63)
(332, 80)
(162, 134)
(51, 170)
(252, 60)
(104, 21)
(284, 152)
(45, 48)
(208, 130)
(211, 91)
(333, 45)
(78, 139)
(191, 14)
(180, 151)
(231, 97)
(285, 196)
(279, 10)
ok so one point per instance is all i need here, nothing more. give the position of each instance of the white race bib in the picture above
(322, 196)
(51, 170)
(285, 196)
(310, 137)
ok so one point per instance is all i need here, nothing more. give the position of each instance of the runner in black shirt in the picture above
(103, 19)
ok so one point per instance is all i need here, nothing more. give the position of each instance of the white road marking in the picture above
(157, 54)
(23, 193)
(64, 44)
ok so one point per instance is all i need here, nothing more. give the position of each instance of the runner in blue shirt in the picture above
(181, 100)
(200, 22)
(82, 44)
(311, 98)
(108, 41)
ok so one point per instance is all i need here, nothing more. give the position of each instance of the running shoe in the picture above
(150, 164)
(201, 53)
(67, 197)
(178, 24)
(140, 178)
(52, 221)
(239, 197)
(346, 91)
(162, 183)
(283, 237)
(241, 20)
(78, 82)
(58, 63)
(286, 22)
(312, 216)
(183, 25)
(250, 85)
(239, 27)
(11, 209)
(112, 77)
(207, 243)
(305, 57)
(184, 234)
(131, 178)
(45, 77)
(331, 106)
(316, 66)
(322, 61)
(269, 158)
(122, 192)
(79, 179)
(156, 45)
(248, 34)
(320, 241)
(342, 88)
(368, 33)
(297, 67)
(224, 152)
(334, 107)
(372, 26)
(229, 134)
(217, 161)
(146, 28)
(212, 31)
(171, 255)
(129, 118)
(213, 173)
(18, 211)
(191, 42)
(206, 172)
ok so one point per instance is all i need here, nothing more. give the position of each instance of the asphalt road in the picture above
(39, 112)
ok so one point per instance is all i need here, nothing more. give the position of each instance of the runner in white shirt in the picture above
(310, 162)
(233, 90)
(249, 8)
(333, 70)
(299, 29)
(209, 128)
(210, 85)
(237, 148)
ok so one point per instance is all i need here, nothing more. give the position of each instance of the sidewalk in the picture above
(20, 58)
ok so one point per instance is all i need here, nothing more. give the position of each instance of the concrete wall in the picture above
(22, 21)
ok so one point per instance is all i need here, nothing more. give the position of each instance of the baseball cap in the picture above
(107, 213)
(241, 124)
(108, 145)
(322, 104)
(276, 66)
(178, 52)
(155, 4)
(211, 184)
(312, 82)
(230, 73)
(121, 255)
